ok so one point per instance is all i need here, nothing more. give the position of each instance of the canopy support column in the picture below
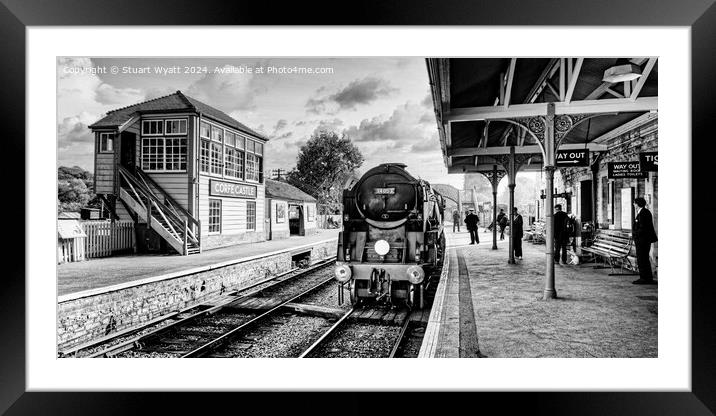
(549, 147)
(511, 185)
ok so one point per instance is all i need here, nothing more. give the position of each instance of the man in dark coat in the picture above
(561, 236)
(502, 222)
(517, 233)
(643, 234)
(471, 221)
(456, 220)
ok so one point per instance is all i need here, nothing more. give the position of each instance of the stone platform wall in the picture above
(88, 317)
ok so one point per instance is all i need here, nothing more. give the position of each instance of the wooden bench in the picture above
(536, 233)
(612, 246)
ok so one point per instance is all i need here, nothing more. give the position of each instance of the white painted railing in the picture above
(105, 238)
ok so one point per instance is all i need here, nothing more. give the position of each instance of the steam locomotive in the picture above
(392, 237)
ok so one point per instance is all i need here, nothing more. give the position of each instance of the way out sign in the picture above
(649, 161)
(567, 158)
(631, 169)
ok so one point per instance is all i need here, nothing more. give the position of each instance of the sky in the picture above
(383, 104)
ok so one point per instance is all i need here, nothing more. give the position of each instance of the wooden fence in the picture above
(105, 237)
(69, 250)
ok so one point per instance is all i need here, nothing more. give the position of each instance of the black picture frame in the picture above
(16, 15)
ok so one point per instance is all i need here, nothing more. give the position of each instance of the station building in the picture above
(290, 211)
(189, 175)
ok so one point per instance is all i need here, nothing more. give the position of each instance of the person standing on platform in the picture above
(471, 221)
(517, 232)
(561, 236)
(502, 222)
(456, 220)
(643, 234)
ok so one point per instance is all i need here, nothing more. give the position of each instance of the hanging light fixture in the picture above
(622, 70)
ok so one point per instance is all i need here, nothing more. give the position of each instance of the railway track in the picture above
(354, 337)
(293, 316)
(200, 323)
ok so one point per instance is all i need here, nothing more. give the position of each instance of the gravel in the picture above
(182, 339)
(327, 296)
(360, 341)
(289, 336)
(295, 287)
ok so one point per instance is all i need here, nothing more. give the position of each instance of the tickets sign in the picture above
(231, 189)
(649, 161)
(631, 169)
(567, 158)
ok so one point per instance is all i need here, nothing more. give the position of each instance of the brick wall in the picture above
(83, 319)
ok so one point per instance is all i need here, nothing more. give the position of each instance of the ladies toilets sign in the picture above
(629, 169)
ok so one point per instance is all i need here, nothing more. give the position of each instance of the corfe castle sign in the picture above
(232, 190)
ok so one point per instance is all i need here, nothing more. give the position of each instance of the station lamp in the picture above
(622, 70)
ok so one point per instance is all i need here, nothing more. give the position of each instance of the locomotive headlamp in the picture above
(415, 274)
(343, 273)
(382, 247)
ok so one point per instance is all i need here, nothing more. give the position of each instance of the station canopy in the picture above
(476, 98)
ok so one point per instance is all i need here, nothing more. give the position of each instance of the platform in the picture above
(110, 271)
(485, 307)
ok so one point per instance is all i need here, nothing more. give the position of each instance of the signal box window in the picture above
(250, 215)
(214, 216)
(106, 142)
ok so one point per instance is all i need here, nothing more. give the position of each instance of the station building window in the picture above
(106, 142)
(152, 127)
(250, 215)
(225, 153)
(254, 161)
(174, 127)
(161, 154)
(214, 215)
(204, 130)
(204, 156)
(216, 158)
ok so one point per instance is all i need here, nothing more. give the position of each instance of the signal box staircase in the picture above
(148, 201)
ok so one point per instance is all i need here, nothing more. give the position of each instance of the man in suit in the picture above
(456, 220)
(643, 234)
(471, 221)
(559, 228)
(517, 232)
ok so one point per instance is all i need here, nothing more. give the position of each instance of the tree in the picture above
(75, 188)
(324, 163)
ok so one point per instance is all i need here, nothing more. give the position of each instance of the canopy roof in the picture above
(474, 98)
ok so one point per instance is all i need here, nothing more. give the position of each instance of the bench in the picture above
(612, 246)
(536, 233)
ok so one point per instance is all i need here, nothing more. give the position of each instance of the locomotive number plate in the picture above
(384, 191)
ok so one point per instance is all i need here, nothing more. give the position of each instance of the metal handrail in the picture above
(151, 197)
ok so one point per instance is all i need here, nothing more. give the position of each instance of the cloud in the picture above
(427, 101)
(280, 125)
(82, 99)
(157, 92)
(227, 91)
(357, 92)
(107, 94)
(403, 128)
